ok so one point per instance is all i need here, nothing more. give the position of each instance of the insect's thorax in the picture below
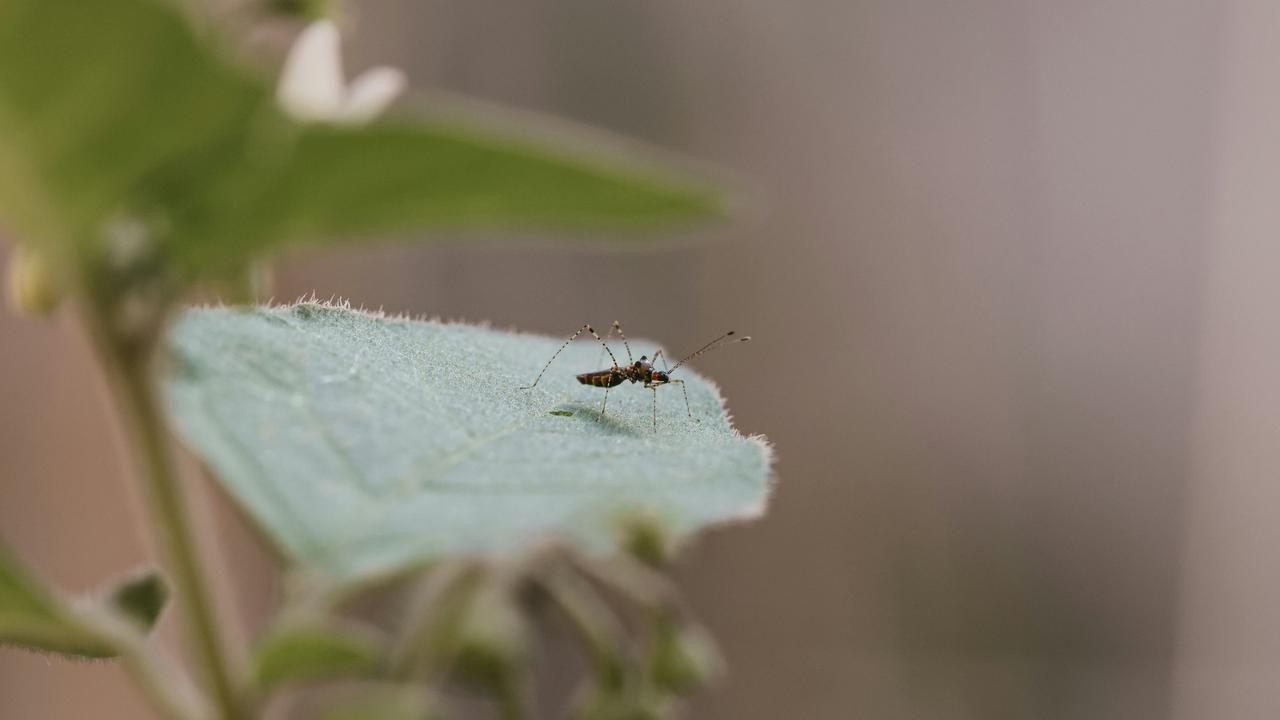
(641, 372)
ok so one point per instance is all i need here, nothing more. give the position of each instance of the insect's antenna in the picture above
(709, 347)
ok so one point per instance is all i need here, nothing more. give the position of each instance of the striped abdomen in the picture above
(602, 378)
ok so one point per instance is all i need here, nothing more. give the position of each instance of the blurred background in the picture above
(1012, 271)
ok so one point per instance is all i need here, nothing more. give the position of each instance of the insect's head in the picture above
(660, 377)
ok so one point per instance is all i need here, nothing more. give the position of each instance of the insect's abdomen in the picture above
(601, 378)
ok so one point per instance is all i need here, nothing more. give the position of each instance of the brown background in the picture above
(1012, 277)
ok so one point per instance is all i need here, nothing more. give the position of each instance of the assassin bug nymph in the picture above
(637, 371)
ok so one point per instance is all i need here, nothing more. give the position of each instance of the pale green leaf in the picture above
(365, 445)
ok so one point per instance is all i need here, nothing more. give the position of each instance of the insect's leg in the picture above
(605, 403)
(654, 388)
(584, 328)
(609, 336)
(688, 408)
(618, 326)
(603, 344)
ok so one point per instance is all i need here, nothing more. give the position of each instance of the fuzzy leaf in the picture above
(35, 618)
(312, 650)
(366, 445)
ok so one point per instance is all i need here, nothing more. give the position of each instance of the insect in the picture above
(637, 371)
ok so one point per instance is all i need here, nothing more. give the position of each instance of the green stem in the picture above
(592, 620)
(511, 700)
(157, 684)
(169, 691)
(129, 367)
(437, 597)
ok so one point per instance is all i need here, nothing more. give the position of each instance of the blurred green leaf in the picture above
(341, 182)
(314, 649)
(35, 618)
(631, 702)
(302, 8)
(104, 103)
(683, 657)
(382, 703)
(118, 110)
(140, 598)
(365, 445)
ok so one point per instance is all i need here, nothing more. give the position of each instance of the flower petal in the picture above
(311, 86)
(371, 93)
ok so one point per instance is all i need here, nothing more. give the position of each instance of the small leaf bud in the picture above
(684, 658)
(490, 642)
(647, 539)
(34, 289)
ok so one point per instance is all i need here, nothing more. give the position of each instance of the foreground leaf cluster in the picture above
(139, 159)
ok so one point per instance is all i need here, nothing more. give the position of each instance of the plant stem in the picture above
(177, 537)
(511, 701)
(435, 598)
(591, 618)
(128, 366)
(150, 675)
(170, 692)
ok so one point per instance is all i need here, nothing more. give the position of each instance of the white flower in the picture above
(312, 86)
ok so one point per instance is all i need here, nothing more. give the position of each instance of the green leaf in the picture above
(118, 110)
(683, 658)
(105, 103)
(385, 702)
(140, 598)
(434, 174)
(35, 618)
(365, 445)
(314, 649)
